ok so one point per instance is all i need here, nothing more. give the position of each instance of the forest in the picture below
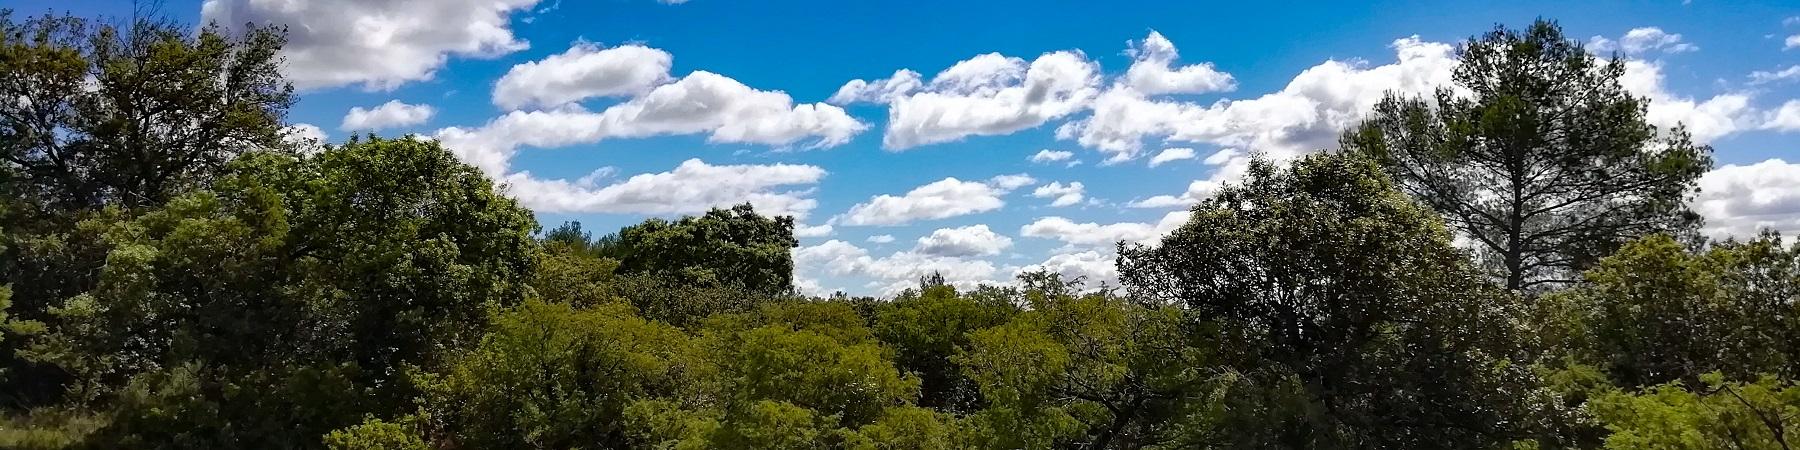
(1509, 263)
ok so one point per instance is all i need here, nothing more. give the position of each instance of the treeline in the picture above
(1508, 264)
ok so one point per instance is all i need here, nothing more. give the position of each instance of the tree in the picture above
(1093, 372)
(1537, 154)
(1657, 313)
(725, 247)
(131, 116)
(927, 329)
(1326, 278)
(291, 297)
(1712, 413)
(552, 376)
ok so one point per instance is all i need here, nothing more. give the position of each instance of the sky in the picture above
(972, 139)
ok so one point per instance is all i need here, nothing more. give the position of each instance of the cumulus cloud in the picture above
(1785, 118)
(1707, 119)
(388, 115)
(1171, 154)
(884, 90)
(891, 273)
(940, 199)
(1089, 234)
(585, 70)
(1151, 74)
(1742, 200)
(990, 94)
(1011, 181)
(702, 102)
(1049, 156)
(1064, 194)
(1304, 116)
(304, 132)
(1196, 192)
(881, 238)
(821, 230)
(693, 187)
(1763, 76)
(1642, 40)
(378, 44)
(973, 240)
(1094, 268)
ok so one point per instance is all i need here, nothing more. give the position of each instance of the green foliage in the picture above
(173, 275)
(1656, 313)
(1326, 273)
(375, 434)
(1764, 414)
(133, 115)
(362, 260)
(725, 247)
(927, 329)
(1537, 154)
(551, 376)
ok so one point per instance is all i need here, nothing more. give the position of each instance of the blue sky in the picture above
(605, 91)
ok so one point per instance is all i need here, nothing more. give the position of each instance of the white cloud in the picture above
(1792, 42)
(892, 273)
(1305, 116)
(1064, 195)
(884, 90)
(1047, 156)
(989, 94)
(1642, 40)
(1150, 73)
(1230, 165)
(379, 44)
(693, 187)
(1091, 234)
(881, 238)
(940, 199)
(1742, 200)
(1012, 181)
(584, 71)
(812, 231)
(702, 102)
(304, 131)
(1761, 77)
(1197, 192)
(388, 115)
(1707, 120)
(1094, 268)
(1171, 154)
(973, 240)
(1785, 118)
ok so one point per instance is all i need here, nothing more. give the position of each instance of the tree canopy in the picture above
(172, 275)
(1537, 154)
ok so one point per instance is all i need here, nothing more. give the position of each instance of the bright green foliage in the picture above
(1712, 414)
(375, 434)
(569, 275)
(551, 376)
(725, 247)
(1093, 371)
(1326, 273)
(792, 375)
(1656, 313)
(905, 428)
(927, 328)
(1537, 154)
